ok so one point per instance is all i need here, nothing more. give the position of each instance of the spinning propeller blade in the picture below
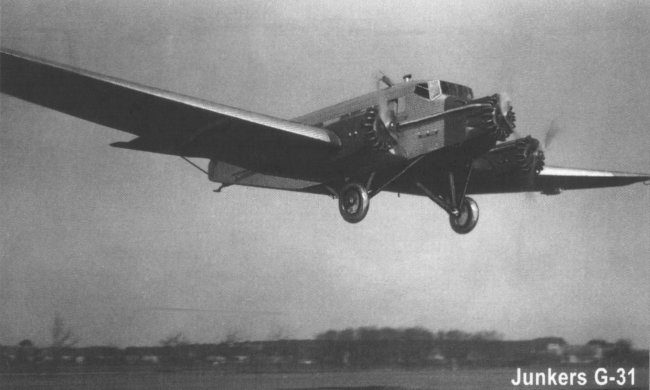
(380, 77)
(552, 131)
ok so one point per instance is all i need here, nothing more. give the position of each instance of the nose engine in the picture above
(494, 115)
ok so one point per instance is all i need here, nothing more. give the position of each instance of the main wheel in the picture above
(466, 220)
(354, 202)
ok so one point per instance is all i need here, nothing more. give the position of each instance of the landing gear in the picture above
(467, 217)
(354, 198)
(462, 210)
(354, 202)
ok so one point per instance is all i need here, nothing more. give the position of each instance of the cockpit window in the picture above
(422, 89)
(448, 88)
(467, 93)
(457, 90)
(429, 90)
(434, 89)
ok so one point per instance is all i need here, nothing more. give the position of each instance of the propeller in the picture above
(380, 77)
(387, 113)
(381, 123)
(508, 115)
(505, 102)
(552, 132)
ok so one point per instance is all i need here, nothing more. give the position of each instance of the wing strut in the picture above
(393, 178)
(194, 165)
(354, 197)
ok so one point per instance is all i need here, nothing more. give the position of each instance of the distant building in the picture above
(582, 354)
(555, 349)
(154, 359)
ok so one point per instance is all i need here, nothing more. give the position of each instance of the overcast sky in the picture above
(101, 235)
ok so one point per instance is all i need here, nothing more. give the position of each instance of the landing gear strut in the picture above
(354, 202)
(462, 210)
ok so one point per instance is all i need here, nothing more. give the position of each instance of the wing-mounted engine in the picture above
(518, 157)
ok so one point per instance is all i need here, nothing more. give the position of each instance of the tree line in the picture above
(355, 348)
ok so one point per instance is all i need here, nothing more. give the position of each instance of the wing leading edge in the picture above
(165, 122)
(552, 180)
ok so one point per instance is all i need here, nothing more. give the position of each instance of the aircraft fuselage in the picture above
(392, 126)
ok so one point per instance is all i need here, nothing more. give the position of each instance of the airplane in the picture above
(419, 137)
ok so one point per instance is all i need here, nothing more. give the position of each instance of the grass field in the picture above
(376, 379)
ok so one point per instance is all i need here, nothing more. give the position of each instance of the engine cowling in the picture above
(519, 156)
(376, 134)
(496, 116)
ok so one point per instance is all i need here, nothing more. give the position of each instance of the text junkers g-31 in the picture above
(420, 137)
